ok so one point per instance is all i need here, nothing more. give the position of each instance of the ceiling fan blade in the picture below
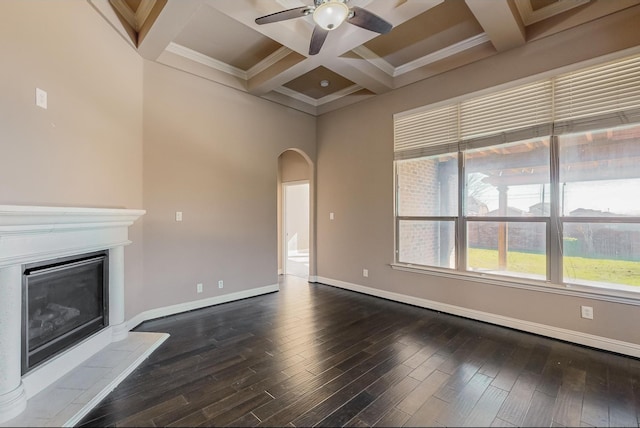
(369, 21)
(284, 15)
(317, 39)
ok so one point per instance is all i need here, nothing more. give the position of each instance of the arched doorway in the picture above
(296, 239)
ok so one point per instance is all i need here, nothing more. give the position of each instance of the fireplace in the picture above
(65, 300)
(37, 240)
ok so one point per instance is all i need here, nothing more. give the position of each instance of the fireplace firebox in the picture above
(64, 301)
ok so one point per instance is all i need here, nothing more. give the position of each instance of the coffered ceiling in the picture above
(220, 41)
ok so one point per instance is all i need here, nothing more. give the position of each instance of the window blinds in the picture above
(601, 96)
(504, 111)
(417, 134)
(598, 90)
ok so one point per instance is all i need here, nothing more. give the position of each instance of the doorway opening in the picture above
(296, 228)
(296, 234)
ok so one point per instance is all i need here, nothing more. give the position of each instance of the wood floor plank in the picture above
(318, 355)
(387, 400)
(511, 369)
(393, 418)
(540, 412)
(621, 403)
(428, 414)
(194, 405)
(347, 411)
(487, 408)
(237, 411)
(595, 406)
(426, 368)
(518, 400)
(145, 417)
(465, 401)
(337, 399)
(416, 398)
(568, 406)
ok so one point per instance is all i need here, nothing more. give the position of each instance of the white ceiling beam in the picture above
(501, 21)
(172, 19)
(270, 79)
(586, 13)
(295, 34)
(363, 73)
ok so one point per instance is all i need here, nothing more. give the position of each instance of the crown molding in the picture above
(206, 60)
(530, 16)
(392, 71)
(272, 59)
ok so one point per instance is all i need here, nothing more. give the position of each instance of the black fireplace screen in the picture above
(64, 301)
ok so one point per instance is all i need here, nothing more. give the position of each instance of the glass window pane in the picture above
(601, 254)
(428, 186)
(599, 174)
(427, 243)
(508, 180)
(507, 248)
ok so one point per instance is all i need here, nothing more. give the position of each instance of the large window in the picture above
(600, 206)
(427, 210)
(509, 222)
(507, 208)
(527, 183)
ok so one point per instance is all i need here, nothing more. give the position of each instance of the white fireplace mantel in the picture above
(35, 233)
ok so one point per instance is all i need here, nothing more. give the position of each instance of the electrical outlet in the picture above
(365, 273)
(178, 215)
(220, 284)
(587, 312)
(199, 287)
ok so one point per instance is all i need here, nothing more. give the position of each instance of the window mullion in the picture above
(461, 234)
(554, 236)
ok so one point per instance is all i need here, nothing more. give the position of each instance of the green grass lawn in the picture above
(579, 268)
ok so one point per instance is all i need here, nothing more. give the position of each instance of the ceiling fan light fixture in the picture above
(330, 14)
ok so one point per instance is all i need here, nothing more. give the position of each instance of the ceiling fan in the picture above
(329, 15)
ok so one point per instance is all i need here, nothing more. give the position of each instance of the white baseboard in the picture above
(604, 343)
(198, 304)
(312, 278)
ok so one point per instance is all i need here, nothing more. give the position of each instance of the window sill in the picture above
(574, 290)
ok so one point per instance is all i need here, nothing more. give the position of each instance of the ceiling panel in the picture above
(309, 83)
(448, 23)
(220, 37)
(219, 40)
(133, 4)
(539, 4)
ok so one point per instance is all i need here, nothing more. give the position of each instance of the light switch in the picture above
(178, 215)
(331, 216)
(41, 98)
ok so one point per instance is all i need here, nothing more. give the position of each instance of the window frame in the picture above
(603, 95)
(554, 241)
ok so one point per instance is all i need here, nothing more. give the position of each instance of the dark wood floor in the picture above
(317, 355)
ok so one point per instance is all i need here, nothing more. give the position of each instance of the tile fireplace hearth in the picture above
(33, 234)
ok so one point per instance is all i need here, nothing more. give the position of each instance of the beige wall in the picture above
(209, 151)
(86, 148)
(212, 153)
(355, 181)
(293, 167)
